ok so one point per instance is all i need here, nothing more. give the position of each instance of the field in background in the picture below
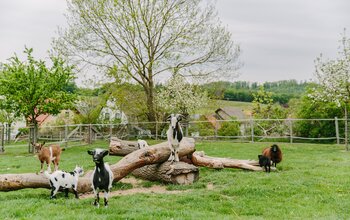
(215, 104)
(312, 182)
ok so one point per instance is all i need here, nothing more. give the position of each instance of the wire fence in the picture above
(245, 130)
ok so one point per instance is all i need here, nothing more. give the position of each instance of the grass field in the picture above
(312, 182)
(215, 104)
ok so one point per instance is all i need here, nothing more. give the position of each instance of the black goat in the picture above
(102, 177)
(264, 162)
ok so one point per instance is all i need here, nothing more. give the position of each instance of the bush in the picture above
(229, 128)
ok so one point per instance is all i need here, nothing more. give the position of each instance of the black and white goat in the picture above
(102, 177)
(174, 135)
(60, 179)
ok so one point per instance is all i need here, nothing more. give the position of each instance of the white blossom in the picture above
(179, 96)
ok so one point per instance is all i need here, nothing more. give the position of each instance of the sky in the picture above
(279, 39)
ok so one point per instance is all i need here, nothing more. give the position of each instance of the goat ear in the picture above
(105, 152)
(169, 118)
(91, 152)
(179, 117)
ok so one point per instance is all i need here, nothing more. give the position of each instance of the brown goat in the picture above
(48, 154)
(274, 153)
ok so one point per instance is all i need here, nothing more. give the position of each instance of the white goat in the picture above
(102, 177)
(174, 135)
(60, 179)
(142, 143)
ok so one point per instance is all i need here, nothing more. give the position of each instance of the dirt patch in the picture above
(138, 189)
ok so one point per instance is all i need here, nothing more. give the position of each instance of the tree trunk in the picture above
(150, 155)
(200, 159)
(120, 147)
(169, 172)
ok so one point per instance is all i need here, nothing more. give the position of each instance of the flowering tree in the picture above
(333, 78)
(181, 97)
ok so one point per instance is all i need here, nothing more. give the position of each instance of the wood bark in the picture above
(169, 172)
(151, 155)
(120, 147)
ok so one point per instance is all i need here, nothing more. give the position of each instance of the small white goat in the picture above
(60, 179)
(142, 143)
(102, 177)
(174, 135)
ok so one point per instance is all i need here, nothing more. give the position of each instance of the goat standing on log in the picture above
(102, 177)
(48, 155)
(274, 153)
(174, 135)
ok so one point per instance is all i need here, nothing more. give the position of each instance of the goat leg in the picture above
(75, 193)
(97, 199)
(106, 198)
(66, 192)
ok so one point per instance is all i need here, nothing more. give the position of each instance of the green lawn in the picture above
(312, 182)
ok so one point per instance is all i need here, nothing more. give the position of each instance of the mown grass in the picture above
(312, 182)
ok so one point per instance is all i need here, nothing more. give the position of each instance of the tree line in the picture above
(282, 91)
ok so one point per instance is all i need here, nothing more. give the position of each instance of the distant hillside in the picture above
(243, 91)
(215, 104)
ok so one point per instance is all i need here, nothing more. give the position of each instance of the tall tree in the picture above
(30, 88)
(146, 40)
(333, 78)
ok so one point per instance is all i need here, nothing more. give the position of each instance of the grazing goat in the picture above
(174, 135)
(274, 153)
(142, 143)
(48, 154)
(264, 162)
(102, 177)
(60, 179)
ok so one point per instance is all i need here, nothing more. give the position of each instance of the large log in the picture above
(151, 155)
(120, 147)
(169, 172)
(200, 159)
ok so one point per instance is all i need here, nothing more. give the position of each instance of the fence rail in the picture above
(244, 130)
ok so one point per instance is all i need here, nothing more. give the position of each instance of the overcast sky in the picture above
(280, 39)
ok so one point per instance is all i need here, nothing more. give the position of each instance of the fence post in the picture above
(66, 135)
(2, 139)
(110, 131)
(156, 130)
(216, 130)
(90, 135)
(291, 130)
(252, 128)
(336, 129)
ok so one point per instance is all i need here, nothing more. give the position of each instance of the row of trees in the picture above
(282, 91)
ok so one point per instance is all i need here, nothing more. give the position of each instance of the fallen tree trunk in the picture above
(200, 159)
(155, 154)
(120, 147)
(169, 172)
